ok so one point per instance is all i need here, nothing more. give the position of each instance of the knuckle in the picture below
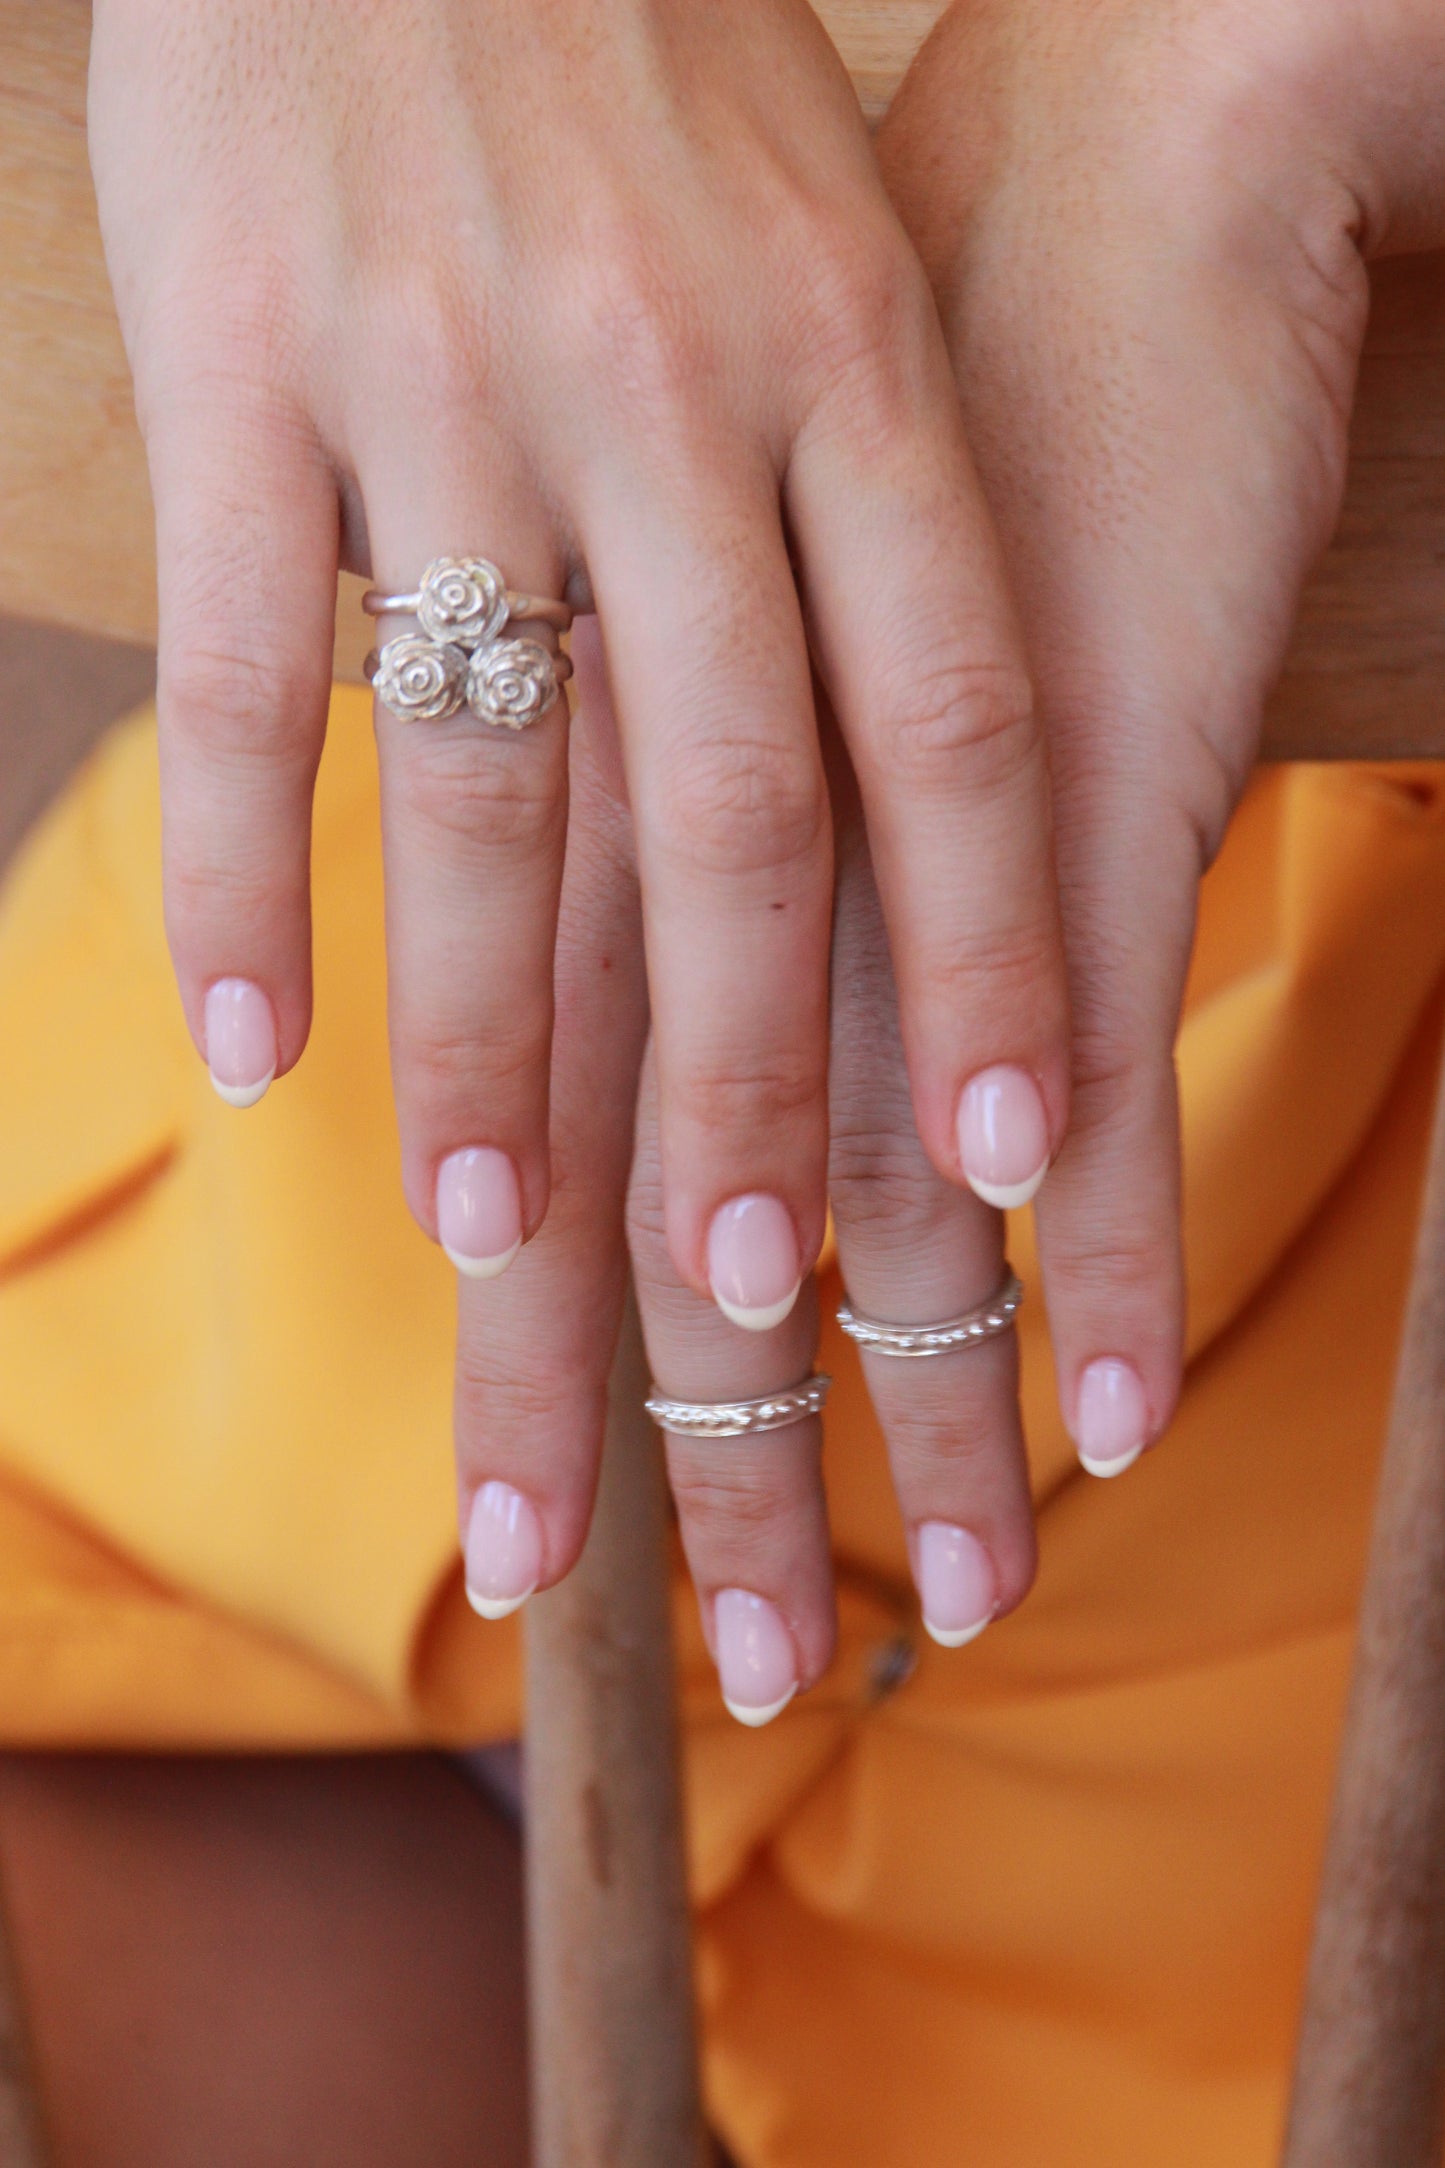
(435, 344)
(967, 723)
(880, 1182)
(500, 1399)
(630, 326)
(860, 295)
(447, 1063)
(743, 804)
(725, 1502)
(239, 704)
(494, 797)
(743, 1099)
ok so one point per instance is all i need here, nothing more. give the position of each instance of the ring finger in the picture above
(474, 818)
(916, 1251)
(750, 1508)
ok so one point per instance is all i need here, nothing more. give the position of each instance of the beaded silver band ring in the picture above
(740, 1418)
(991, 1317)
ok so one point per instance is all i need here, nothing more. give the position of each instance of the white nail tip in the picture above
(482, 1268)
(761, 1320)
(497, 1606)
(1009, 1196)
(242, 1095)
(1106, 1468)
(957, 1637)
(754, 1716)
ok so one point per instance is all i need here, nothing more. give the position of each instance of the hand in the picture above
(534, 1349)
(605, 293)
(1147, 223)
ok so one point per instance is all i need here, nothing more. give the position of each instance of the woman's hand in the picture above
(1147, 223)
(606, 293)
(535, 1348)
(1149, 246)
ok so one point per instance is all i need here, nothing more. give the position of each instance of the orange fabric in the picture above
(1044, 1902)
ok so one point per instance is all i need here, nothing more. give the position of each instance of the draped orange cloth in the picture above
(1040, 1901)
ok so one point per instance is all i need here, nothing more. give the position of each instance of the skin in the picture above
(1147, 250)
(612, 331)
(1149, 246)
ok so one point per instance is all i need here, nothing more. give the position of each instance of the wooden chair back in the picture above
(616, 2081)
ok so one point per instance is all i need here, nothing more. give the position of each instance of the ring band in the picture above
(740, 1418)
(991, 1317)
(521, 609)
(465, 600)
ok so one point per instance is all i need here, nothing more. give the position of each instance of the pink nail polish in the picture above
(1003, 1136)
(479, 1211)
(1111, 1429)
(757, 1667)
(956, 1582)
(240, 1041)
(503, 1550)
(753, 1267)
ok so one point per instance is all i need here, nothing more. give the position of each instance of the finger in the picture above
(914, 1250)
(751, 1510)
(710, 673)
(246, 544)
(919, 648)
(1109, 1222)
(534, 1349)
(474, 823)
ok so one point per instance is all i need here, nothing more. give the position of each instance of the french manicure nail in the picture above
(503, 1550)
(757, 1669)
(956, 1582)
(1003, 1136)
(1112, 1426)
(479, 1211)
(240, 1041)
(752, 1262)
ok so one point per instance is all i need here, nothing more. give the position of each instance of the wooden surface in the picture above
(615, 2079)
(1367, 673)
(1370, 2082)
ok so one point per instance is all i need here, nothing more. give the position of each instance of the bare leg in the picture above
(265, 1963)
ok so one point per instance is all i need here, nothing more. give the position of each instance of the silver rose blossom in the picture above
(463, 601)
(511, 683)
(420, 680)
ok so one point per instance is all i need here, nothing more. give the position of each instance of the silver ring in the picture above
(740, 1418)
(464, 601)
(509, 683)
(459, 658)
(991, 1317)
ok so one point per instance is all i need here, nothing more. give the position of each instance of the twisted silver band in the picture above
(994, 1316)
(740, 1418)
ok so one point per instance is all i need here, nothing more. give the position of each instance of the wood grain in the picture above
(1370, 2082)
(614, 2055)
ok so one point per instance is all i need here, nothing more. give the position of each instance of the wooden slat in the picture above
(1367, 671)
(614, 2054)
(1370, 2083)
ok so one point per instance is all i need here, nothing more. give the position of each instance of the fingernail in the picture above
(240, 1041)
(1112, 1427)
(756, 1666)
(503, 1550)
(752, 1262)
(1003, 1136)
(479, 1211)
(957, 1583)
